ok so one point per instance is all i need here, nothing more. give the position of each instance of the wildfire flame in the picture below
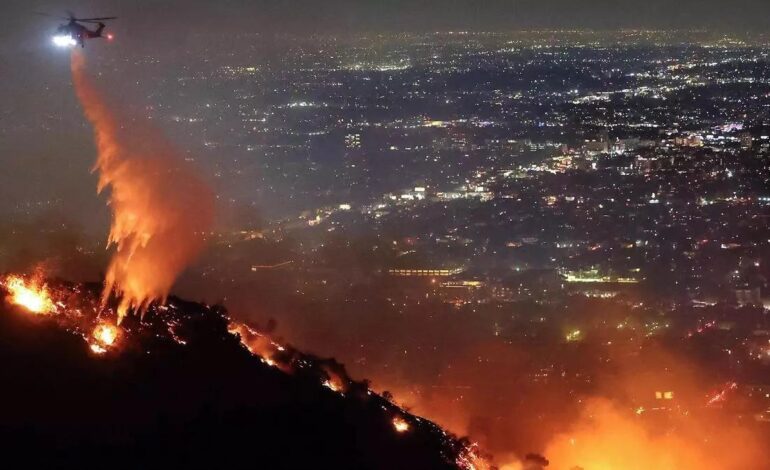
(161, 209)
(104, 336)
(334, 383)
(400, 425)
(32, 295)
(258, 344)
(471, 459)
(36, 297)
(331, 385)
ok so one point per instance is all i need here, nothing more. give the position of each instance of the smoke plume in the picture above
(161, 209)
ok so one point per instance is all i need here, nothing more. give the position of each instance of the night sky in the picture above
(179, 16)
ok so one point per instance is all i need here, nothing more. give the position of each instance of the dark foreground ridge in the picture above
(181, 391)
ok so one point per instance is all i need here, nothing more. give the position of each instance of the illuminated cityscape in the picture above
(592, 197)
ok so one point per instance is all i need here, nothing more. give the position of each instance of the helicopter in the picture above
(73, 32)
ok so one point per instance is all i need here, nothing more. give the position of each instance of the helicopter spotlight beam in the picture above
(64, 40)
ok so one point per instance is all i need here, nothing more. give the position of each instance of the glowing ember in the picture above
(30, 295)
(400, 425)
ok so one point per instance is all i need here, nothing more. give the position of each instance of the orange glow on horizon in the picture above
(608, 438)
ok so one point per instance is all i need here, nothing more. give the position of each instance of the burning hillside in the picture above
(177, 384)
(187, 386)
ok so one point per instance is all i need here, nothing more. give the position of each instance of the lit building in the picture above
(425, 272)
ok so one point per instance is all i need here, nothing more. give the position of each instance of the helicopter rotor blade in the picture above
(103, 18)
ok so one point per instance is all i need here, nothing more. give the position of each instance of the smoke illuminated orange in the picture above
(161, 209)
(609, 439)
(30, 295)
